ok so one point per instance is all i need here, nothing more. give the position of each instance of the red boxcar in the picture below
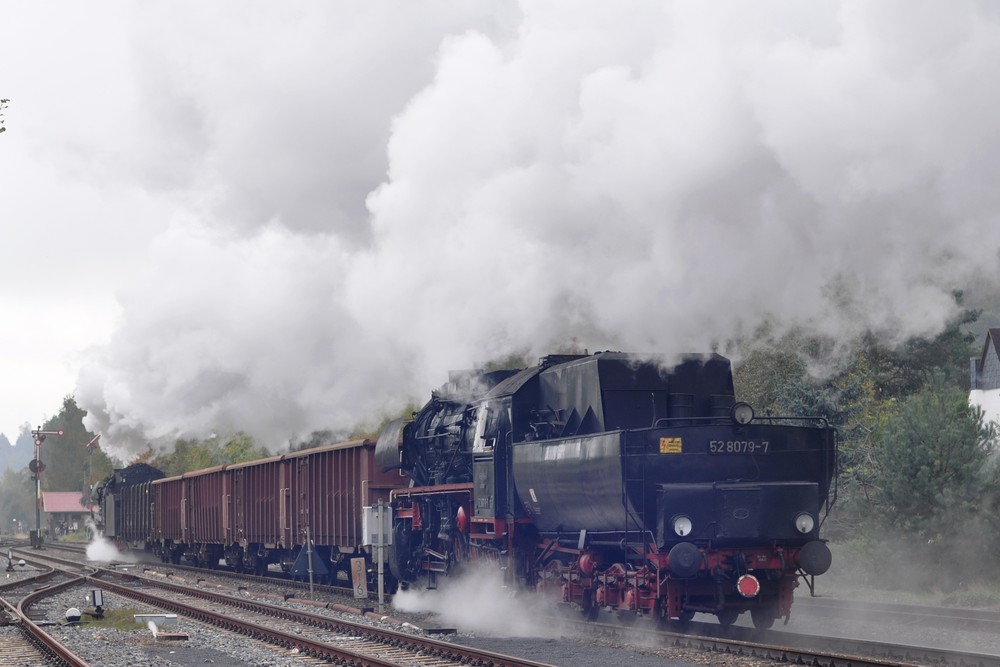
(259, 503)
(167, 502)
(257, 513)
(205, 497)
(331, 485)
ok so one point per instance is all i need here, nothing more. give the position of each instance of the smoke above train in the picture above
(447, 185)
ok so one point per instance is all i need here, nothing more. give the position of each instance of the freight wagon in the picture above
(255, 514)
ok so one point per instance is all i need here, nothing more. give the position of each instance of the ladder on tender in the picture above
(634, 454)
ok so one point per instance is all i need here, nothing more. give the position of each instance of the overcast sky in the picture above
(282, 217)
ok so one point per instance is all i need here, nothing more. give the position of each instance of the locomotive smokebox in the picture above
(387, 449)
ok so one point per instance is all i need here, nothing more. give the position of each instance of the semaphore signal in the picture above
(40, 435)
(36, 466)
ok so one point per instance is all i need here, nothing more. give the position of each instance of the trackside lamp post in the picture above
(36, 466)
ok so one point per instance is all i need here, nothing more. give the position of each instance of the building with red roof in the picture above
(64, 510)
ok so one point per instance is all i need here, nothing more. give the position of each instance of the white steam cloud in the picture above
(478, 601)
(373, 194)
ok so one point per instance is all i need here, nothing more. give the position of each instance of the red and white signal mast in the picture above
(36, 467)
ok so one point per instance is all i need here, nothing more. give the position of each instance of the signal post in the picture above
(36, 466)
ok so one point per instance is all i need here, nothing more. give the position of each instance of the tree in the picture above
(23, 450)
(933, 462)
(903, 370)
(241, 447)
(17, 499)
(778, 375)
(3, 105)
(189, 455)
(857, 386)
(69, 464)
(936, 500)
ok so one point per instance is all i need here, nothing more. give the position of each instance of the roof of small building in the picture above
(63, 501)
(992, 336)
(984, 373)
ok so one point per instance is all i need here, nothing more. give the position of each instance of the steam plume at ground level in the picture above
(101, 549)
(478, 601)
(658, 178)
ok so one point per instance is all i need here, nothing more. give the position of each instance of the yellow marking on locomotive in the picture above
(671, 446)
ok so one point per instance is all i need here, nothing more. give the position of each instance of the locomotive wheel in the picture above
(400, 555)
(686, 616)
(459, 554)
(728, 616)
(590, 608)
(763, 617)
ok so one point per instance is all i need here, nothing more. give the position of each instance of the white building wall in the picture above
(989, 401)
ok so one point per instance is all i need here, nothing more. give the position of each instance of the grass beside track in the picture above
(119, 619)
(865, 571)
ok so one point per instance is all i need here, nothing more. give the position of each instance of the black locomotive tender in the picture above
(623, 482)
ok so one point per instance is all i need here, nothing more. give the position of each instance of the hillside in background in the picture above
(16, 457)
(984, 295)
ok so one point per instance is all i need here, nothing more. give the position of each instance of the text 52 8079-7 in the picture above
(737, 446)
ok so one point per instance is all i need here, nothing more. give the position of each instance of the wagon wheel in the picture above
(728, 616)
(259, 567)
(763, 617)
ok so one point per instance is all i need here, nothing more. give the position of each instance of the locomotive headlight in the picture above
(804, 523)
(742, 413)
(682, 525)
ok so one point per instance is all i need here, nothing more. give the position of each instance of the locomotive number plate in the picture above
(738, 446)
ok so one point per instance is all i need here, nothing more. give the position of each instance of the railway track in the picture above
(312, 636)
(23, 641)
(791, 647)
(17, 645)
(801, 649)
(270, 579)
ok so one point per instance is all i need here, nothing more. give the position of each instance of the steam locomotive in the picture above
(621, 482)
(618, 482)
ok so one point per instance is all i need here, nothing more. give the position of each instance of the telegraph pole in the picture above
(36, 466)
